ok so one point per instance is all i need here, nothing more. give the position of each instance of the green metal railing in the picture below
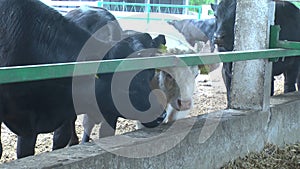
(150, 8)
(50, 71)
(276, 43)
(144, 7)
(131, 7)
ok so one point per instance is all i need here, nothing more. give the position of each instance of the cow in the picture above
(33, 33)
(178, 85)
(130, 43)
(196, 30)
(287, 16)
(177, 82)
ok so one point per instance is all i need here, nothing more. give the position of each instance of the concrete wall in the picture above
(211, 141)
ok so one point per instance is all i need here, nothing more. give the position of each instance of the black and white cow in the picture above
(196, 30)
(107, 90)
(287, 16)
(176, 82)
(32, 33)
(129, 43)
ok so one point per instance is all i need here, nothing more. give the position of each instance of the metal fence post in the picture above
(199, 11)
(100, 4)
(148, 13)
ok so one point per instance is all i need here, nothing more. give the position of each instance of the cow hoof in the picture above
(86, 138)
(73, 142)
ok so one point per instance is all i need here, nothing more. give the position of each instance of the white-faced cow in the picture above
(32, 33)
(111, 95)
(287, 16)
(178, 84)
(196, 30)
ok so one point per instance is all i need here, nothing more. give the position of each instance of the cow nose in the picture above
(218, 38)
(184, 104)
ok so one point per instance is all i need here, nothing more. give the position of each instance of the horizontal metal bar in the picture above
(50, 71)
(211, 58)
(287, 44)
(149, 5)
(275, 42)
(99, 3)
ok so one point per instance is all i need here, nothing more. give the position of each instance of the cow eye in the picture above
(168, 76)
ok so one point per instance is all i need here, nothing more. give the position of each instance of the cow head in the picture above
(140, 90)
(178, 25)
(186, 29)
(178, 84)
(225, 19)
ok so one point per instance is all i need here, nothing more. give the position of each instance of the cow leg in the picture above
(88, 125)
(298, 80)
(74, 138)
(212, 46)
(1, 150)
(25, 146)
(108, 127)
(62, 135)
(272, 85)
(227, 75)
(290, 77)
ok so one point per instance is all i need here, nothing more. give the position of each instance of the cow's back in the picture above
(207, 26)
(287, 16)
(33, 33)
(97, 21)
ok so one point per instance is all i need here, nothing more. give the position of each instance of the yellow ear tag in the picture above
(162, 48)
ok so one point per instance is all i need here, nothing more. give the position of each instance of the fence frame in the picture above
(147, 7)
(60, 70)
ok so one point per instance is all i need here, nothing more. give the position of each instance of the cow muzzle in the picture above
(181, 105)
(219, 39)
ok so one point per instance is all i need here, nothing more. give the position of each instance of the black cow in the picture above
(33, 33)
(133, 44)
(196, 30)
(287, 16)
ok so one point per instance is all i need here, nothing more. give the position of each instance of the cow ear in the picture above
(213, 6)
(171, 22)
